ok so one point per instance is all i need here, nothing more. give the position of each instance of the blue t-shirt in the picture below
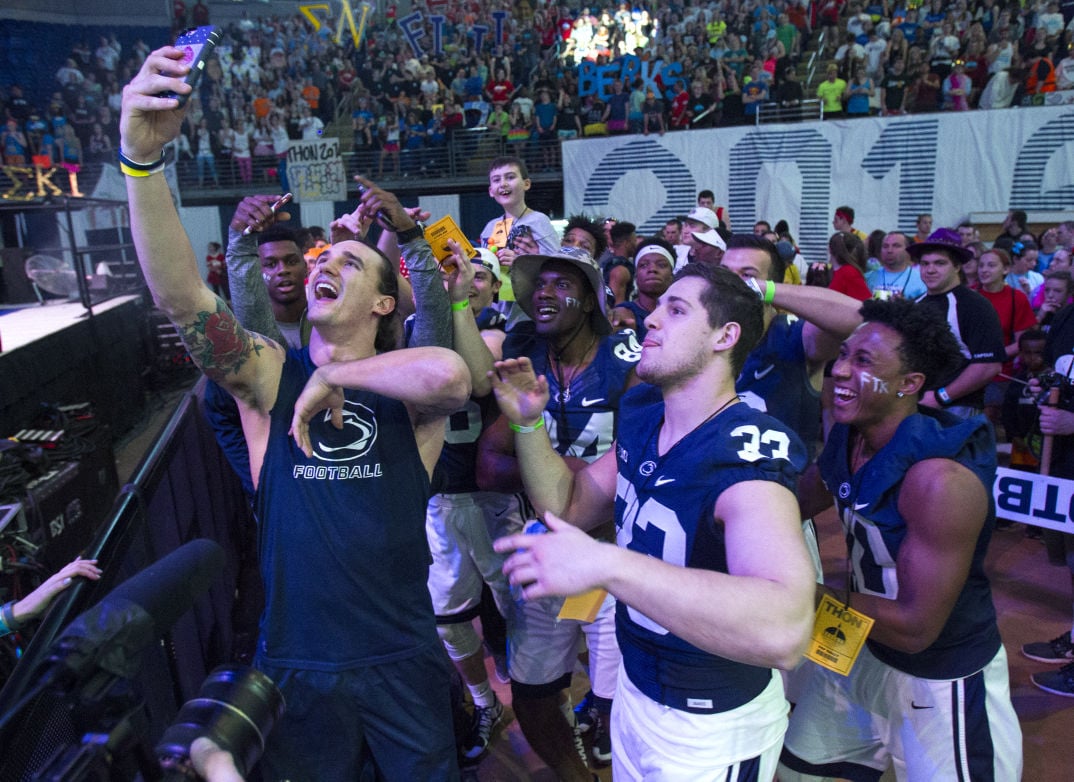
(858, 103)
(906, 283)
(546, 115)
(757, 87)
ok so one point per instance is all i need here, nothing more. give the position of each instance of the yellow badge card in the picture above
(583, 607)
(437, 236)
(839, 632)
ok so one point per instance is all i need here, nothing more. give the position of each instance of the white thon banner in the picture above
(888, 169)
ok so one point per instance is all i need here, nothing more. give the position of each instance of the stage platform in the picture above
(59, 352)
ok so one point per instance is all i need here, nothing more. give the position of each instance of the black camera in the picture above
(236, 708)
(517, 231)
(1055, 379)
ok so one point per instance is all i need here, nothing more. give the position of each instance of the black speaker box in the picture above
(65, 506)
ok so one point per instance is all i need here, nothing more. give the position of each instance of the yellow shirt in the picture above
(831, 93)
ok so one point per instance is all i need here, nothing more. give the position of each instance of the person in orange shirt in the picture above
(262, 106)
(311, 93)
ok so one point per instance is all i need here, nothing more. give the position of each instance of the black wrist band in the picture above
(410, 234)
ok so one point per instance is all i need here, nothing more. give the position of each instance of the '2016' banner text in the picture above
(889, 170)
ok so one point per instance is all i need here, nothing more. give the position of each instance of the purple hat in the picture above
(944, 239)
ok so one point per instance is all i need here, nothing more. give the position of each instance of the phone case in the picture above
(197, 44)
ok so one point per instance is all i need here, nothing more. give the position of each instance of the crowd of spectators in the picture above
(274, 79)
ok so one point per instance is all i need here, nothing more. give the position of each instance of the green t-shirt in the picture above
(500, 120)
(831, 93)
(785, 33)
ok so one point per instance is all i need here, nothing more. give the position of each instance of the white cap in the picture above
(487, 258)
(711, 237)
(705, 216)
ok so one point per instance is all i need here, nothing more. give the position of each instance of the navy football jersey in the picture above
(868, 506)
(640, 314)
(664, 508)
(775, 379)
(581, 418)
(455, 471)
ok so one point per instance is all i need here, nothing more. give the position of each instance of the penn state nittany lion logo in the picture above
(353, 441)
(835, 635)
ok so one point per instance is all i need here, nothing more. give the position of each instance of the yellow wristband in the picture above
(135, 172)
(459, 306)
(134, 168)
(527, 429)
(769, 291)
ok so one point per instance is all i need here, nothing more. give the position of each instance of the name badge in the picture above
(839, 632)
(583, 607)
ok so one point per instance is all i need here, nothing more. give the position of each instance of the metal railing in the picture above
(814, 59)
(800, 112)
(465, 155)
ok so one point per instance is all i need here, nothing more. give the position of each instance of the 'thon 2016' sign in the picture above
(888, 169)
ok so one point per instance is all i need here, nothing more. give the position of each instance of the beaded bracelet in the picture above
(133, 168)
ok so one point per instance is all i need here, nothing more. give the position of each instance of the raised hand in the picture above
(377, 203)
(146, 122)
(352, 225)
(458, 273)
(255, 213)
(521, 394)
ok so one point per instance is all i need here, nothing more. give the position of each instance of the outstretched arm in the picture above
(830, 318)
(768, 568)
(38, 601)
(432, 322)
(973, 377)
(467, 338)
(246, 364)
(249, 296)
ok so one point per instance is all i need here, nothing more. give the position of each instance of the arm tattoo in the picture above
(217, 343)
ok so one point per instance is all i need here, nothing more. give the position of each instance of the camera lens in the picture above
(236, 708)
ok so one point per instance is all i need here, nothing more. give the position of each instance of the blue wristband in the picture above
(7, 618)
